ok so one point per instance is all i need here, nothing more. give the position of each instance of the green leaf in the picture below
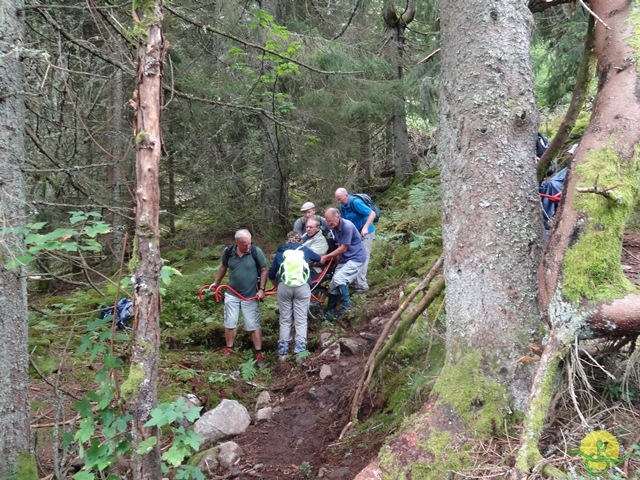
(83, 475)
(176, 454)
(192, 414)
(85, 430)
(146, 446)
(166, 272)
(97, 228)
(192, 439)
(98, 322)
(36, 225)
(67, 440)
(83, 407)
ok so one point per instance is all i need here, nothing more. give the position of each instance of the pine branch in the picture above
(255, 46)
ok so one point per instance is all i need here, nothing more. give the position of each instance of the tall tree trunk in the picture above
(275, 182)
(14, 357)
(396, 25)
(143, 376)
(491, 237)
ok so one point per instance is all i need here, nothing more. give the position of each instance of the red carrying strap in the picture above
(217, 293)
(553, 198)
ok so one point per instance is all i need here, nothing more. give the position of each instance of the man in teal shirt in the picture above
(248, 277)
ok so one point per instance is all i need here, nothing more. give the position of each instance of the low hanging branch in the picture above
(265, 50)
(374, 360)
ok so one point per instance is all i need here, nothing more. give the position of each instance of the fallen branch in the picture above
(605, 192)
(370, 366)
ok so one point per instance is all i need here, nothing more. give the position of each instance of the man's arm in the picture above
(263, 283)
(338, 251)
(219, 276)
(370, 219)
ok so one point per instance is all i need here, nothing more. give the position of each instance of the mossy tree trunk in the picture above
(142, 384)
(582, 286)
(491, 238)
(14, 356)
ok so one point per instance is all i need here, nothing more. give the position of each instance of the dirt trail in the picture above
(310, 414)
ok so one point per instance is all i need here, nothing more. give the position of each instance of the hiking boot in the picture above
(227, 352)
(259, 358)
(330, 316)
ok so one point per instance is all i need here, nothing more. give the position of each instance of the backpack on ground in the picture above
(124, 312)
(368, 202)
(294, 270)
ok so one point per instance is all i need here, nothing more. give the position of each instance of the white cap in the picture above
(307, 206)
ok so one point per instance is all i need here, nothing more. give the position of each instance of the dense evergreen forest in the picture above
(136, 138)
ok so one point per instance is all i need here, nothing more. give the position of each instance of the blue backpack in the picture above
(367, 201)
(124, 310)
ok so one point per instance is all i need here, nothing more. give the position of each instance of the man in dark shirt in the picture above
(351, 255)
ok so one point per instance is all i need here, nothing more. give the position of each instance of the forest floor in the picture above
(306, 438)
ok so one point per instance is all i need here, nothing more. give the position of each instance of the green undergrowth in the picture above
(408, 235)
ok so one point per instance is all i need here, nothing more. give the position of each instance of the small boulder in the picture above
(264, 415)
(230, 453)
(263, 400)
(352, 346)
(325, 372)
(227, 420)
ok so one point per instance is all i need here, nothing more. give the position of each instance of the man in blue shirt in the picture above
(351, 255)
(358, 213)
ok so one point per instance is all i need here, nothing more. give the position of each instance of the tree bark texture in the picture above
(492, 237)
(14, 358)
(143, 375)
(492, 223)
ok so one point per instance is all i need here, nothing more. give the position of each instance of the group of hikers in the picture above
(350, 231)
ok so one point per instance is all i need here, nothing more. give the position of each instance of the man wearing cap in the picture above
(308, 210)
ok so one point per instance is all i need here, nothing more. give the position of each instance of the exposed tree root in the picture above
(373, 360)
(529, 456)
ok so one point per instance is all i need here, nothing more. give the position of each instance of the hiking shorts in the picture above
(250, 312)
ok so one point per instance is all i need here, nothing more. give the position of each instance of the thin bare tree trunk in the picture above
(118, 175)
(143, 374)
